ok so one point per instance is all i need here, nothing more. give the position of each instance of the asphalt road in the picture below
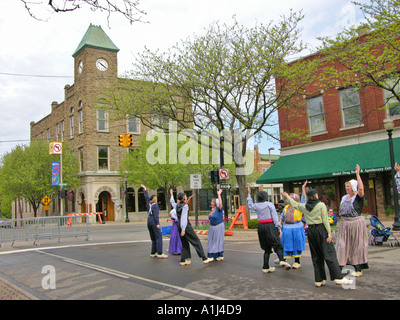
(116, 266)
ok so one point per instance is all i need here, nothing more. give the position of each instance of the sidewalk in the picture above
(9, 291)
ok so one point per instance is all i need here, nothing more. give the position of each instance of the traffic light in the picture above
(128, 139)
(122, 140)
(213, 176)
(63, 193)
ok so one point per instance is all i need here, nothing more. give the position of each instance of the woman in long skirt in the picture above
(352, 238)
(216, 232)
(175, 244)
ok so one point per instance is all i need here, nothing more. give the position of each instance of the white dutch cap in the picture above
(354, 185)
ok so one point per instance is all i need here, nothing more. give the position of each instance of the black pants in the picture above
(321, 252)
(268, 236)
(192, 238)
(155, 236)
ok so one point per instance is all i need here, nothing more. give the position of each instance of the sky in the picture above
(36, 56)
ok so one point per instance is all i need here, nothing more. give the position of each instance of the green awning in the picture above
(341, 161)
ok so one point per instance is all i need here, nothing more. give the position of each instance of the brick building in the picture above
(344, 127)
(262, 163)
(91, 132)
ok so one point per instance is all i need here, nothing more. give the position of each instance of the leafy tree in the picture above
(221, 81)
(367, 54)
(153, 166)
(26, 173)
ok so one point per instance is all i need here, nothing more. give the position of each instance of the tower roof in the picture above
(96, 38)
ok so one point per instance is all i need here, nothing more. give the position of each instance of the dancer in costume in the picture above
(269, 229)
(187, 234)
(216, 231)
(293, 235)
(175, 244)
(153, 225)
(319, 238)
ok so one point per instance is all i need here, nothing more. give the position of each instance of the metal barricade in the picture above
(45, 228)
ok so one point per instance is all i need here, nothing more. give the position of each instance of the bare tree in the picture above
(129, 9)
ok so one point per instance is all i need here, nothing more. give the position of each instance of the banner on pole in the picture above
(55, 173)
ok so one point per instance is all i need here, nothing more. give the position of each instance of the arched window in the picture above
(161, 199)
(131, 200)
(141, 200)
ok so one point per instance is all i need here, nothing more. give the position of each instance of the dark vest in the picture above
(178, 209)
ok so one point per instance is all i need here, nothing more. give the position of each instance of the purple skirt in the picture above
(175, 244)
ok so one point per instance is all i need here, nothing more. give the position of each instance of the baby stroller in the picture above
(380, 234)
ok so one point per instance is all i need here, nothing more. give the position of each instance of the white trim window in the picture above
(133, 125)
(316, 115)
(102, 120)
(81, 159)
(102, 158)
(71, 127)
(80, 121)
(62, 131)
(350, 107)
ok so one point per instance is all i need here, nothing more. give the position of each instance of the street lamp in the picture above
(389, 126)
(270, 165)
(126, 200)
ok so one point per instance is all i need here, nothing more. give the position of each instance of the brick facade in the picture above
(371, 100)
(100, 188)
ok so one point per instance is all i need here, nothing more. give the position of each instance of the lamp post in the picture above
(389, 126)
(270, 165)
(126, 200)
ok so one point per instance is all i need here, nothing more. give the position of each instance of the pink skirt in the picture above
(352, 241)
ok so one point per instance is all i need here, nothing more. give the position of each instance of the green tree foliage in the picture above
(26, 173)
(367, 54)
(222, 80)
(156, 167)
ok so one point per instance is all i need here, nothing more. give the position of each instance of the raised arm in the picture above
(219, 198)
(172, 200)
(360, 190)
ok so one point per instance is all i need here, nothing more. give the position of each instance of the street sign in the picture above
(46, 207)
(46, 200)
(195, 181)
(224, 174)
(225, 186)
(55, 148)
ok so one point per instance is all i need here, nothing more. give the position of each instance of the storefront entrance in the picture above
(106, 206)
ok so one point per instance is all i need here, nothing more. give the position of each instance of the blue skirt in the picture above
(293, 240)
(216, 241)
(175, 244)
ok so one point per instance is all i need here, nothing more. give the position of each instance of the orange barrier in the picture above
(236, 221)
(189, 220)
(84, 214)
(205, 232)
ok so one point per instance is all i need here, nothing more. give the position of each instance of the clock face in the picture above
(101, 64)
(80, 67)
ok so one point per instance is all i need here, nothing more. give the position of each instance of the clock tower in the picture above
(95, 57)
